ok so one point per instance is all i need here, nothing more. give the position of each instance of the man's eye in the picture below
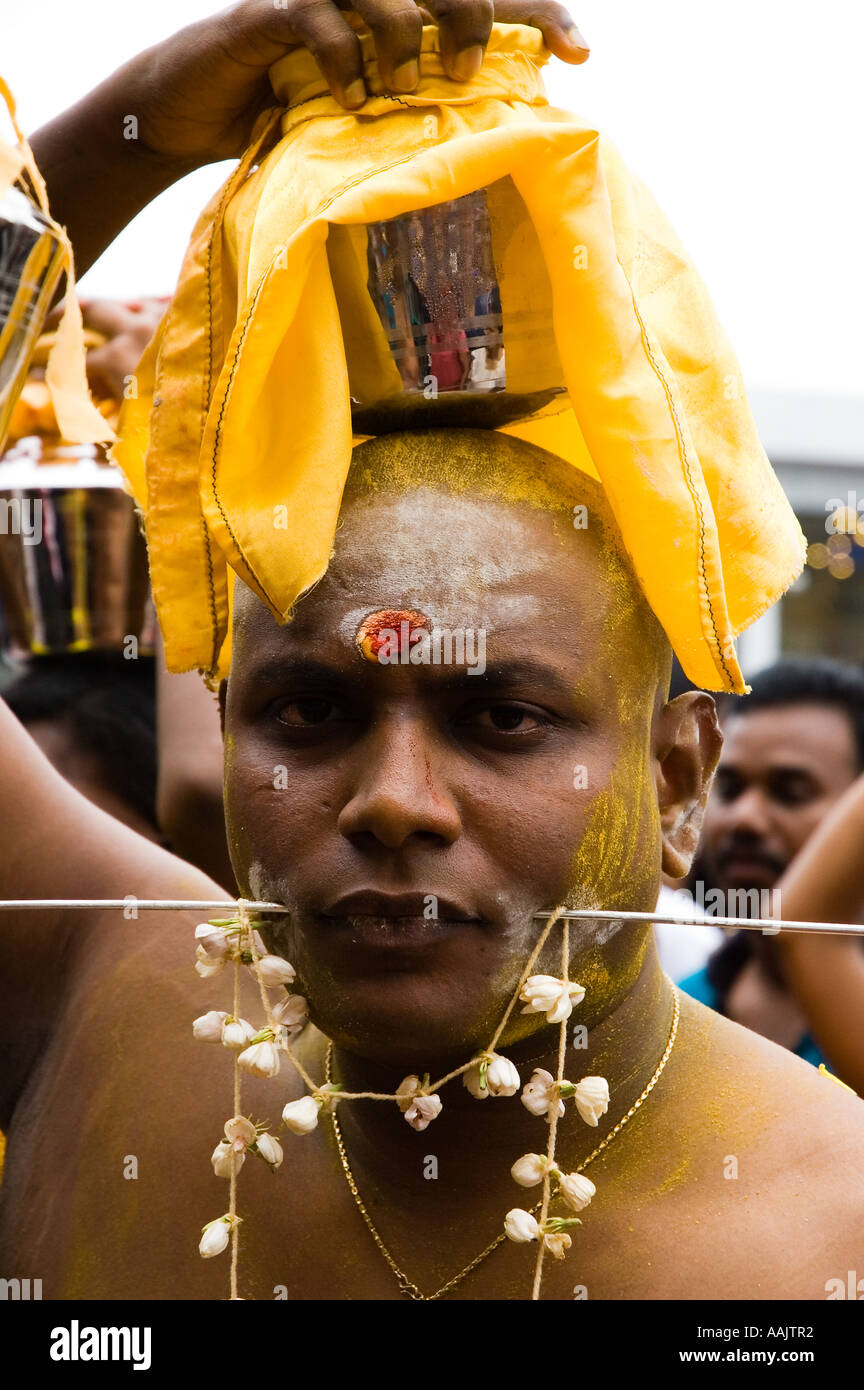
(727, 788)
(794, 791)
(303, 714)
(507, 719)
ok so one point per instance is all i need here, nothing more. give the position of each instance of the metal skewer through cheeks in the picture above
(764, 924)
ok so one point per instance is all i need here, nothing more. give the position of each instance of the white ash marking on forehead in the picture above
(429, 541)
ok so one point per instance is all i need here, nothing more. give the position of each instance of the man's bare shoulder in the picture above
(790, 1096)
(743, 1177)
(793, 1141)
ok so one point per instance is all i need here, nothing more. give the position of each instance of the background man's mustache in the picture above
(751, 849)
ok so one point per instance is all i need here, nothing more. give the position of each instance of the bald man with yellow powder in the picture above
(359, 790)
(405, 781)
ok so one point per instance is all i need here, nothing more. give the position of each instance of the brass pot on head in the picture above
(430, 340)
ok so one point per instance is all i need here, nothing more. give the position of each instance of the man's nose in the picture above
(396, 794)
(749, 813)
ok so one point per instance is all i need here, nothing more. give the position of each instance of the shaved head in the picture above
(479, 463)
(415, 470)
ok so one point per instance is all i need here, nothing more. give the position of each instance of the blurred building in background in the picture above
(816, 444)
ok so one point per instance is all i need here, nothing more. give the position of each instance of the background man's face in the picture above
(781, 770)
(360, 794)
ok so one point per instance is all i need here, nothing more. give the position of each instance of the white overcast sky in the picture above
(744, 118)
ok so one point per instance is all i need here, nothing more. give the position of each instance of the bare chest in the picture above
(109, 1182)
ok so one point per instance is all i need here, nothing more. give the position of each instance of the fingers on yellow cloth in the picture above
(396, 27)
(335, 47)
(561, 36)
(271, 330)
(464, 33)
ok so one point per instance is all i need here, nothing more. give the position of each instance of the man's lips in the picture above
(398, 921)
(368, 902)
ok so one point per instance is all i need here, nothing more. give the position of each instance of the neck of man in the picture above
(625, 1037)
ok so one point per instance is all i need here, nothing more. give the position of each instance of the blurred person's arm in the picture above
(195, 98)
(126, 328)
(189, 785)
(825, 882)
(57, 844)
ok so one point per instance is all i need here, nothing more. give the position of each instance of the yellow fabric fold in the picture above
(250, 430)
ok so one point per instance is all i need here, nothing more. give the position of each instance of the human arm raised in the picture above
(825, 882)
(195, 98)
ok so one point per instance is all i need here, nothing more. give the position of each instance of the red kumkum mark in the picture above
(397, 628)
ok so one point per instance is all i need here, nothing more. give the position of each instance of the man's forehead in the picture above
(461, 561)
(805, 735)
(428, 536)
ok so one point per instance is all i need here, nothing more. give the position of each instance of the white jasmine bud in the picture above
(520, 1226)
(492, 1075)
(236, 1033)
(214, 941)
(240, 1132)
(208, 1028)
(215, 1237)
(502, 1078)
(224, 1157)
(301, 1116)
(539, 1095)
(557, 1242)
(545, 994)
(418, 1108)
(591, 1095)
(529, 1169)
(270, 1150)
(273, 971)
(576, 1191)
(422, 1111)
(261, 1058)
(207, 965)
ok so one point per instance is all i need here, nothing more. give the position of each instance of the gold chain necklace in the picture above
(406, 1285)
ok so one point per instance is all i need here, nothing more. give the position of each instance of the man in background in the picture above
(792, 749)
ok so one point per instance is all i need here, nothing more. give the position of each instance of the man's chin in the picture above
(408, 991)
(397, 1040)
(410, 1018)
(745, 876)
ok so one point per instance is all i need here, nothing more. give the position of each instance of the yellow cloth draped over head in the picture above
(238, 444)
